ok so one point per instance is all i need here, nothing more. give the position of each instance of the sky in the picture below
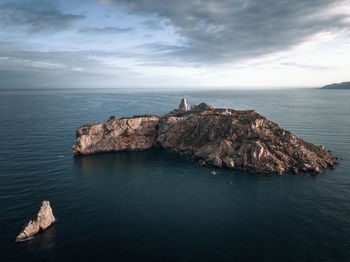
(173, 43)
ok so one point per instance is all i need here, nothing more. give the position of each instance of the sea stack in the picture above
(233, 139)
(43, 220)
(183, 105)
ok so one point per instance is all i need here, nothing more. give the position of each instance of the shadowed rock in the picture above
(43, 220)
(228, 138)
(201, 107)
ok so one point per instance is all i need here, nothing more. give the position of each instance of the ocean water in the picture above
(158, 206)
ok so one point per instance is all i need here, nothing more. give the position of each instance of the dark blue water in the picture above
(158, 206)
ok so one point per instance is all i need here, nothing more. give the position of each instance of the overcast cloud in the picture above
(225, 30)
(144, 37)
(36, 16)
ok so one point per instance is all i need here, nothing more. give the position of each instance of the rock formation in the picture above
(201, 107)
(242, 140)
(43, 220)
(137, 133)
(183, 105)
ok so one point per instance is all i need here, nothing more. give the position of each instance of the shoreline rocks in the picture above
(42, 221)
(227, 138)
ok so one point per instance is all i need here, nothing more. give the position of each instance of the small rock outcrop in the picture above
(233, 139)
(43, 220)
(183, 105)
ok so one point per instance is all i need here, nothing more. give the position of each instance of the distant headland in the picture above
(233, 139)
(343, 85)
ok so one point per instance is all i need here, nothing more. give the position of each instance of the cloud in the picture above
(105, 30)
(22, 69)
(129, 41)
(36, 16)
(161, 48)
(46, 61)
(306, 66)
(152, 24)
(228, 30)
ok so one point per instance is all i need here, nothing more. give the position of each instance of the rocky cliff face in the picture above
(43, 220)
(137, 133)
(227, 138)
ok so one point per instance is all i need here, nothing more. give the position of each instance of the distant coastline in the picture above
(343, 85)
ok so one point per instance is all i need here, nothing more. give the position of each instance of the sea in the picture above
(156, 205)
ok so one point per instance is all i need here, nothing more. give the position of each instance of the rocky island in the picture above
(233, 139)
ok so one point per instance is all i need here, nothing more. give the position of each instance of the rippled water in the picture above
(158, 206)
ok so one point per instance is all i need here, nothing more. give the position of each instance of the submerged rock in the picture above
(43, 220)
(201, 162)
(228, 138)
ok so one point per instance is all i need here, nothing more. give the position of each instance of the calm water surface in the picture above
(158, 206)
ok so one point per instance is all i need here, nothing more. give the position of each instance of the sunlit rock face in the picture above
(228, 138)
(125, 134)
(183, 105)
(42, 221)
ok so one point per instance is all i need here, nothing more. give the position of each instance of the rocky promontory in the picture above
(343, 85)
(228, 138)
